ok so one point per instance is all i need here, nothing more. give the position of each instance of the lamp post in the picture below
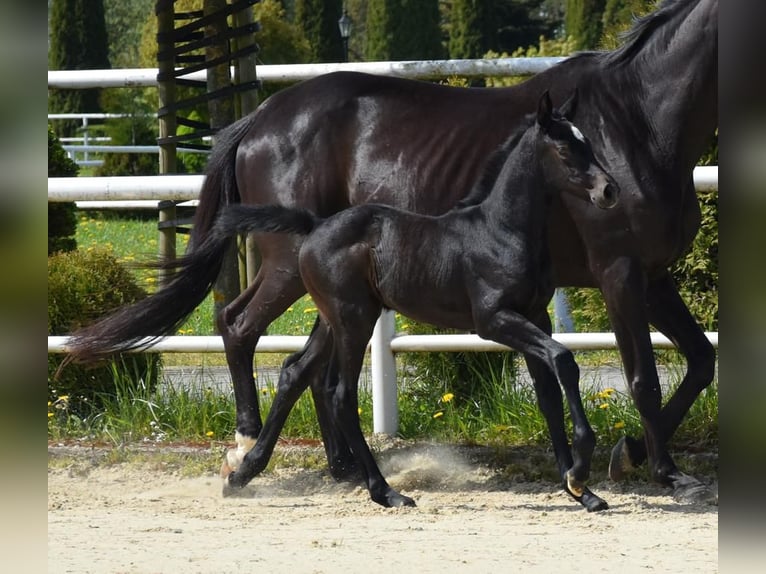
(344, 25)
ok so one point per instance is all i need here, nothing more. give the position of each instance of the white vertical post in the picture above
(385, 411)
(562, 318)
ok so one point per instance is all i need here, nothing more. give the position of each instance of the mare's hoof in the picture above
(232, 488)
(689, 490)
(620, 463)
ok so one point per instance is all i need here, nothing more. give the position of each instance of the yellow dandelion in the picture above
(606, 393)
(359, 411)
(64, 398)
(209, 434)
(290, 309)
(438, 414)
(603, 406)
(50, 414)
(447, 397)
(310, 310)
(619, 425)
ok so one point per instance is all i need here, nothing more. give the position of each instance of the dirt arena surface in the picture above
(150, 516)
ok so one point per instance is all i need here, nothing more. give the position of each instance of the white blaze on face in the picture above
(577, 133)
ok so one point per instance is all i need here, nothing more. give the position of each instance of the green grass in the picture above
(493, 410)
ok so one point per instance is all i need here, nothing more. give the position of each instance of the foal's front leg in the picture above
(549, 362)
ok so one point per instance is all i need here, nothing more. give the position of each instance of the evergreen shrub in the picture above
(82, 286)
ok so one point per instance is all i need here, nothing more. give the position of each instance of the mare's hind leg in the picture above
(670, 315)
(289, 389)
(551, 363)
(241, 324)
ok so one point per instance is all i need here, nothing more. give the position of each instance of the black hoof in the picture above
(620, 463)
(232, 487)
(396, 500)
(392, 499)
(689, 490)
(590, 501)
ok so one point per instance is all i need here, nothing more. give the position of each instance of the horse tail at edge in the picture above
(190, 277)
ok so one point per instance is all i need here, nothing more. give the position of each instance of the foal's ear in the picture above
(544, 110)
(569, 108)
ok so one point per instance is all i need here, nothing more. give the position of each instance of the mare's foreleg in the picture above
(671, 316)
(624, 287)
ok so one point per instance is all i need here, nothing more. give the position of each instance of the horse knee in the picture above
(701, 364)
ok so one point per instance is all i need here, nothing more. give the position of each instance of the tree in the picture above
(583, 22)
(124, 21)
(468, 30)
(62, 222)
(403, 30)
(479, 26)
(319, 21)
(78, 41)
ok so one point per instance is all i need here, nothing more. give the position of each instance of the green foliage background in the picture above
(82, 286)
(62, 223)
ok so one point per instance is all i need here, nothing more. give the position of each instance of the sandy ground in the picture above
(129, 517)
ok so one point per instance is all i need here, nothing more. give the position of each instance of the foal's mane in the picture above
(495, 164)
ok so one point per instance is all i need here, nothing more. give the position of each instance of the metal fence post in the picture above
(385, 411)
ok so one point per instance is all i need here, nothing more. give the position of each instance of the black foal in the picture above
(483, 266)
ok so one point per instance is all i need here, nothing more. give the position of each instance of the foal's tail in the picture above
(264, 218)
(191, 277)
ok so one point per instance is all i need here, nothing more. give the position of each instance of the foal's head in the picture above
(568, 161)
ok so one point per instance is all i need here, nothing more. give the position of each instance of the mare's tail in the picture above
(264, 218)
(191, 277)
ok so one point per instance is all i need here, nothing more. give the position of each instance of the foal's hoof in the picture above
(620, 463)
(689, 490)
(397, 500)
(584, 496)
(392, 499)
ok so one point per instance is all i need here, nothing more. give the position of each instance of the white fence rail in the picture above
(187, 187)
(479, 68)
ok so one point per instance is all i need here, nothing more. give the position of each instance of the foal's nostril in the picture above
(610, 193)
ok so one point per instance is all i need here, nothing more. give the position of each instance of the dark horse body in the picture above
(484, 266)
(344, 139)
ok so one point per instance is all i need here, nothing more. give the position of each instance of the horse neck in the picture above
(677, 75)
(516, 203)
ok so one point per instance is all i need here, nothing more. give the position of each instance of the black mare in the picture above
(483, 267)
(344, 139)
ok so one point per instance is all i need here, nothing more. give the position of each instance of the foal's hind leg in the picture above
(349, 347)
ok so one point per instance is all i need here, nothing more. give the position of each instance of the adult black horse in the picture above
(345, 139)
